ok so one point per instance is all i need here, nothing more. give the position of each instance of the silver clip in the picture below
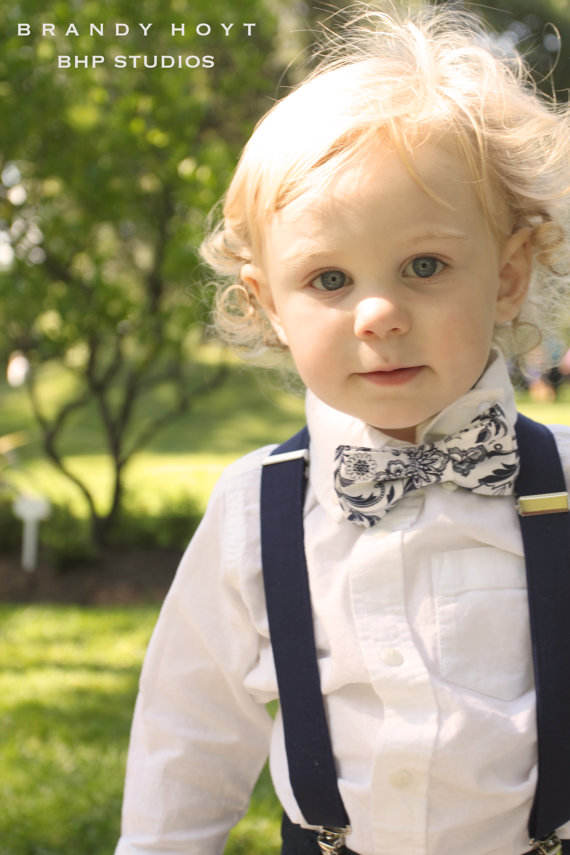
(287, 455)
(549, 846)
(332, 840)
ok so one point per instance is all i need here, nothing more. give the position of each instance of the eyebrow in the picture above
(305, 252)
(303, 256)
(438, 234)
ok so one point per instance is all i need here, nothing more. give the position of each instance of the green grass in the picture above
(68, 680)
(557, 412)
(249, 410)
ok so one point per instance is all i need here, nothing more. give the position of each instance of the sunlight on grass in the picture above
(557, 413)
(185, 459)
(154, 478)
(68, 681)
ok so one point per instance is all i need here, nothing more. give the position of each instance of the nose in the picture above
(380, 316)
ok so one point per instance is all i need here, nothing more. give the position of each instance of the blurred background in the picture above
(117, 412)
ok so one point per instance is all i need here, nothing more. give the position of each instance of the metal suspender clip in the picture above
(549, 846)
(332, 840)
(287, 455)
(543, 503)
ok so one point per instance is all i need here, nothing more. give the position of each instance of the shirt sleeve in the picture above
(199, 738)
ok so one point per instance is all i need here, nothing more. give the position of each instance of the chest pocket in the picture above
(483, 631)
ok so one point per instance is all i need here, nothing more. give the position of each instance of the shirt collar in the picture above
(329, 428)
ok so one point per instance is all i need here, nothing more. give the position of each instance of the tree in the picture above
(540, 31)
(107, 171)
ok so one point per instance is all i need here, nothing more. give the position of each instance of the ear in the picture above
(254, 277)
(515, 267)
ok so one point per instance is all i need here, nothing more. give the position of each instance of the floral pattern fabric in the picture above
(483, 458)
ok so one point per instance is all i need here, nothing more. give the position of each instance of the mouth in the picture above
(392, 376)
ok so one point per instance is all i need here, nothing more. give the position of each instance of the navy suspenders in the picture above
(546, 540)
(311, 763)
(541, 496)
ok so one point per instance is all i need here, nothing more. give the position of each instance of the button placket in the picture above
(401, 681)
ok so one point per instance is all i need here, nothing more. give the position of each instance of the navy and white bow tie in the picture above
(483, 458)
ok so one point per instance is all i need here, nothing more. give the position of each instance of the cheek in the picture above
(472, 324)
(463, 343)
(308, 352)
(316, 349)
(307, 329)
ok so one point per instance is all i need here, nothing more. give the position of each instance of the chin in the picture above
(393, 426)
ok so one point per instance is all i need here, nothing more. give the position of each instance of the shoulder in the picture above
(234, 503)
(243, 474)
(226, 543)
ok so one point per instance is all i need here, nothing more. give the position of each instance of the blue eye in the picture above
(423, 266)
(330, 280)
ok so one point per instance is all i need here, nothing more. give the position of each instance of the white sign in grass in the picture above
(31, 510)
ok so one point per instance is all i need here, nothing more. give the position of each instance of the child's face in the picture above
(388, 296)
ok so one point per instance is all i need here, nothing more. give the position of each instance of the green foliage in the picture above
(107, 174)
(171, 526)
(10, 534)
(68, 680)
(66, 539)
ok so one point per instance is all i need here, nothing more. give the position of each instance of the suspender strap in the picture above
(546, 539)
(311, 763)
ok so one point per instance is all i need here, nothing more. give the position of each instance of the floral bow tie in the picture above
(483, 458)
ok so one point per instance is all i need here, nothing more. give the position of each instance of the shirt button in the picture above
(392, 656)
(449, 485)
(401, 779)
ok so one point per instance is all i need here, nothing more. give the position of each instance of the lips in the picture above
(392, 376)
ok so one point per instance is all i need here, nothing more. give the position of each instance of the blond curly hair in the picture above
(392, 73)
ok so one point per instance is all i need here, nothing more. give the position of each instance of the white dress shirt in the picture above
(422, 633)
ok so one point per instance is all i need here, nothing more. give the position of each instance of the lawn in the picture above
(251, 409)
(68, 680)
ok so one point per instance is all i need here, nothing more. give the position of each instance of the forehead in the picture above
(427, 190)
